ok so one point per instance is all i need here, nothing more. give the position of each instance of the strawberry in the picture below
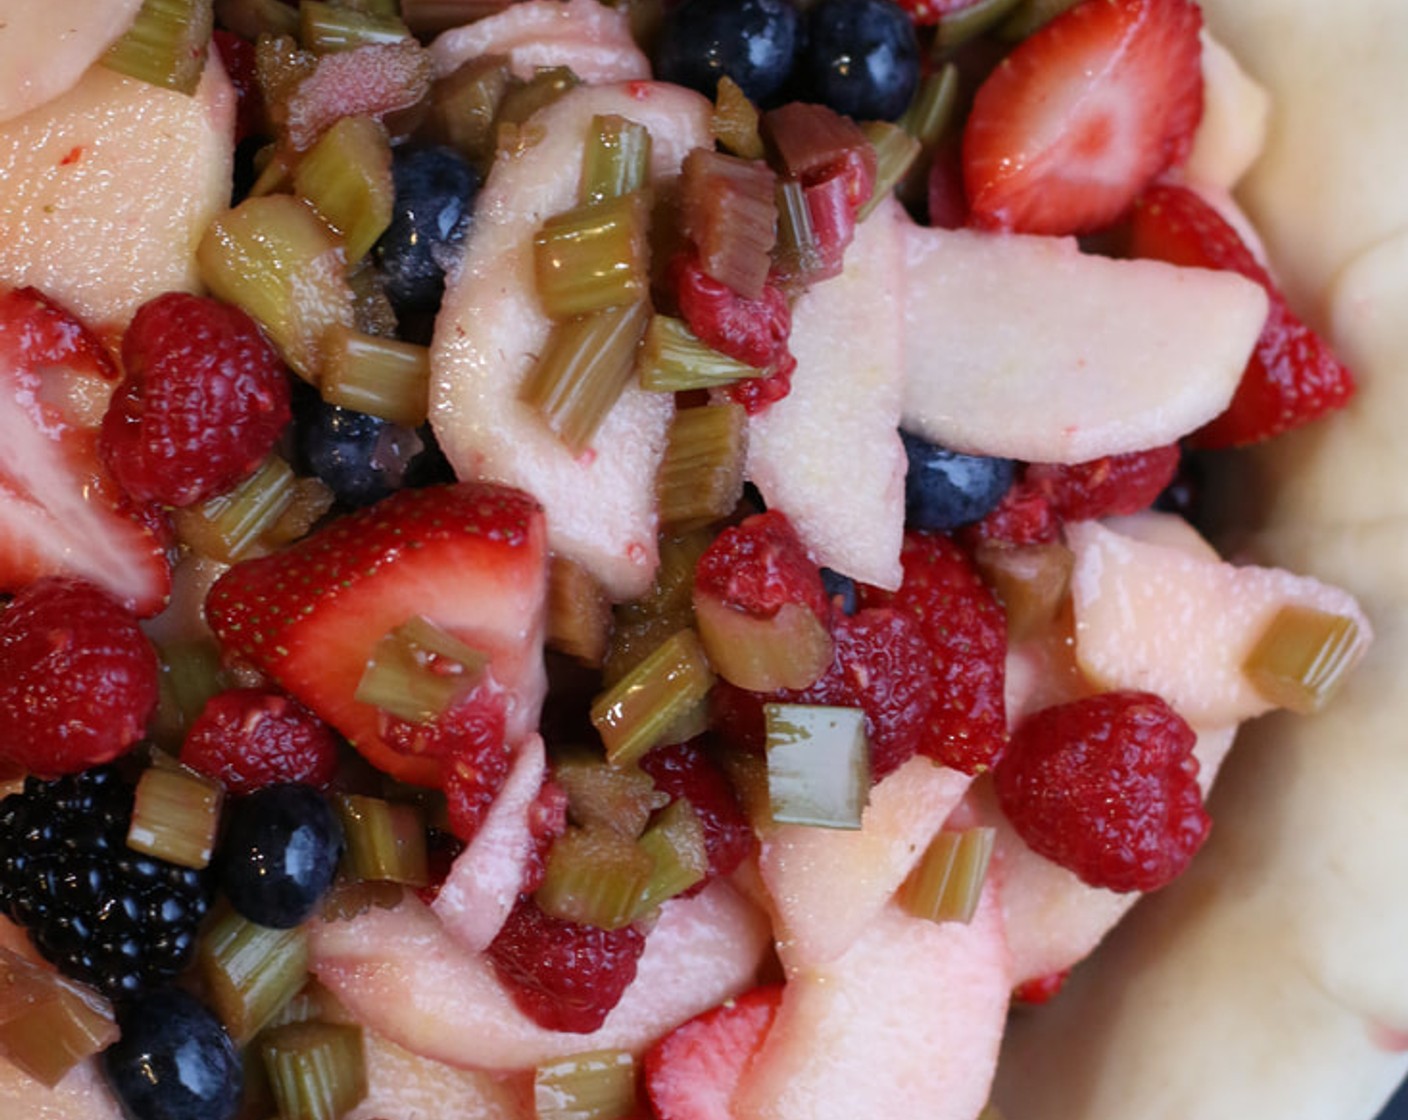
(966, 632)
(469, 557)
(1293, 377)
(1083, 115)
(692, 1072)
(61, 511)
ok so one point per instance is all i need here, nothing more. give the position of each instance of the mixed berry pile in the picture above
(255, 682)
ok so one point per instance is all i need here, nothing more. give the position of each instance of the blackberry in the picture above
(100, 912)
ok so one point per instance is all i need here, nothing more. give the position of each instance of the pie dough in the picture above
(1271, 980)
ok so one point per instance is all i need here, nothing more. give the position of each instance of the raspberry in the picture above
(562, 975)
(204, 400)
(472, 740)
(100, 912)
(758, 566)
(756, 393)
(966, 632)
(250, 738)
(78, 678)
(1107, 786)
(1107, 487)
(547, 820)
(238, 57)
(1023, 517)
(686, 771)
(754, 331)
(883, 665)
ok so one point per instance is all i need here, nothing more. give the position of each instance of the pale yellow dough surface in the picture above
(1272, 980)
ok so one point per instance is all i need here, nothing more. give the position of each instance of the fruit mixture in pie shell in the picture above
(686, 861)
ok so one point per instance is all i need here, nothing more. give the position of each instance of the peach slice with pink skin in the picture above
(1027, 348)
(1232, 131)
(827, 885)
(109, 188)
(484, 882)
(1157, 619)
(404, 1086)
(46, 45)
(803, 451)
(590, 39)
(491, 327)
(399, 972)
(906, 1023)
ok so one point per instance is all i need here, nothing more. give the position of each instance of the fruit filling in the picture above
(645, 533)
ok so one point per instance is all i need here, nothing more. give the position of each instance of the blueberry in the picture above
(360, 458)
(754, 42)
(944, 489)
(861, 58)
(435, 192)
(174, 1061)
(279, 854)
(842, 587)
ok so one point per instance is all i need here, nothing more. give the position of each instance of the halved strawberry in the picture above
(1083, 115)
(691, 1073)
(1293, 377)
(61, 512)
(470, 557)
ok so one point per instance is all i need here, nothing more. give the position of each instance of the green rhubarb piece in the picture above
(634, 714)
(175, 815)
(1303, 656)
(166, 44)
(317, 1070)
(594, 876)
(327, 28)
(947, 883)
(818, 765)
(250, 972)
(616, 160)
(346, 175)
(418, 671)
(675, 844)
(595, 1085)
(385, 840)
(379, 376)
(674, 359)
(594, 257)
(584, 368)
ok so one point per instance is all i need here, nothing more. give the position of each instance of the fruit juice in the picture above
(943, 576)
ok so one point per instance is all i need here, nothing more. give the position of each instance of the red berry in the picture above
(78, 678)
(685, 770)
(756, 393)
(1107, 487)
(882, 665)
(946, 197)
(1293, 376)
(547, 820)
(563, 975)
(692, 1072)
(61, 510)
(1107, 786)
(753, 331)
(1023, 517)
(1041, 989)
(250, 738)
(204, 400)
(1083, 115)
(238, 56)
(966, 630)
(760, 565)
(470, 737)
